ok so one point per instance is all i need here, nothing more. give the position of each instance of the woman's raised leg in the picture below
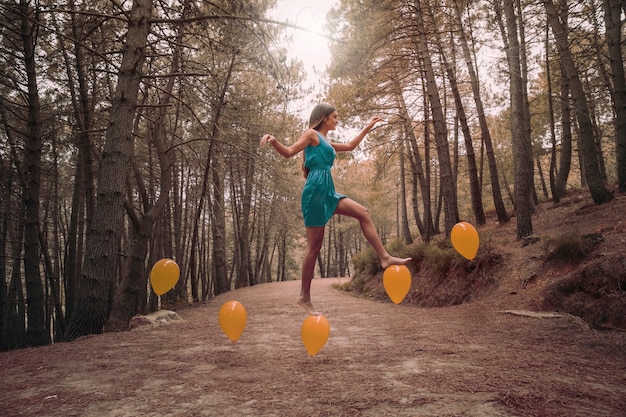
(348, 207)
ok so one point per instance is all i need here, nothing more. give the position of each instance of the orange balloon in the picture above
(232, 318)
(315, 332)
(465, 240)
(397, 282)
(164, 276)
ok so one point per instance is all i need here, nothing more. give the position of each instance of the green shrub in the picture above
(345, 286)
(568, 247)
(398, 248)
(439, 258)
(366, 262)
(417, 252)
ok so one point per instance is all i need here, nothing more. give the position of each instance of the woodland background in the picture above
(130, 133)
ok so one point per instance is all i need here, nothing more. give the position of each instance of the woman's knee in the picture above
(315, 246)
(314, 242)
(351, 208)
(362, 214)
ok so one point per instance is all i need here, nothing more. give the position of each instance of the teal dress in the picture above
(319, 199)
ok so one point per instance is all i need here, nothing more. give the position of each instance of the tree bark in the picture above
(131, 294)
(218, 224)
(496, 192)
(593, 174)
(522, 148)
(613, 23)
(475, 191)
(5, 209)
(565, 160)
(37, 332)
(404, 233)
(417, 172)
(244, 277)
(96, 282)
(448, 192)
(83, 190)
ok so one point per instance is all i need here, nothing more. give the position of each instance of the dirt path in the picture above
(380, 360)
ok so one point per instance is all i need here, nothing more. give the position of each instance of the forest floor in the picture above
(498, 355)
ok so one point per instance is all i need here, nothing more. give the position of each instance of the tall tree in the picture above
(418, 176)
(218, 203)
(448, 193)
(614, 23)
(96, 282)
(593, 175)
(475, 189)
(130, 296)
(404, 233)
(37, 332)
(522, 149)
(83, 100)
(5, 209)
(565, 160)
(496, 192)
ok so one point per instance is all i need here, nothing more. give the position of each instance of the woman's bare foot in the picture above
(308, 307)
(394, 261)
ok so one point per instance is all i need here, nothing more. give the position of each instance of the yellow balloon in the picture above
(164, 275)
(465, 239)
(397, 282)
(232, 318)
(315, 332)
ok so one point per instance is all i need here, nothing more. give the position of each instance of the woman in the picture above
(319, 199)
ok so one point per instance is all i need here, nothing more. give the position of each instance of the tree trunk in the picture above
(13, 320)
(242, 222)
(131, 294)
(448, 192)
(218, 224)
(178, 204)
(613, 23)
(593, 174)
(552, 172)
(83, 191)
(5, 209)
(418, 174)
(496, 192)
(404, 233)
(37, 332)
(565, 157)
(475, 191)
(96, 282)
(17, 307)
(522, 149)
(523, 54)
(544, 188)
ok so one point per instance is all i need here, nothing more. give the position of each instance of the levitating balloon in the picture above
(465, 240)
(164, 276)
(315, 332)
(232, 318)
(397, 282)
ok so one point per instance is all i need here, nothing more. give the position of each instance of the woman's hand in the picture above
(267, 139)
(374, 120)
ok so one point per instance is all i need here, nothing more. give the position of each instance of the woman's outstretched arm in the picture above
(307, 138)
(350, 146)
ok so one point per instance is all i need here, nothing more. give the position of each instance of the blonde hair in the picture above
(318, 114)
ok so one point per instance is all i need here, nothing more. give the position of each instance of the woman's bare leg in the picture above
(348, 207)
(315, 237)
